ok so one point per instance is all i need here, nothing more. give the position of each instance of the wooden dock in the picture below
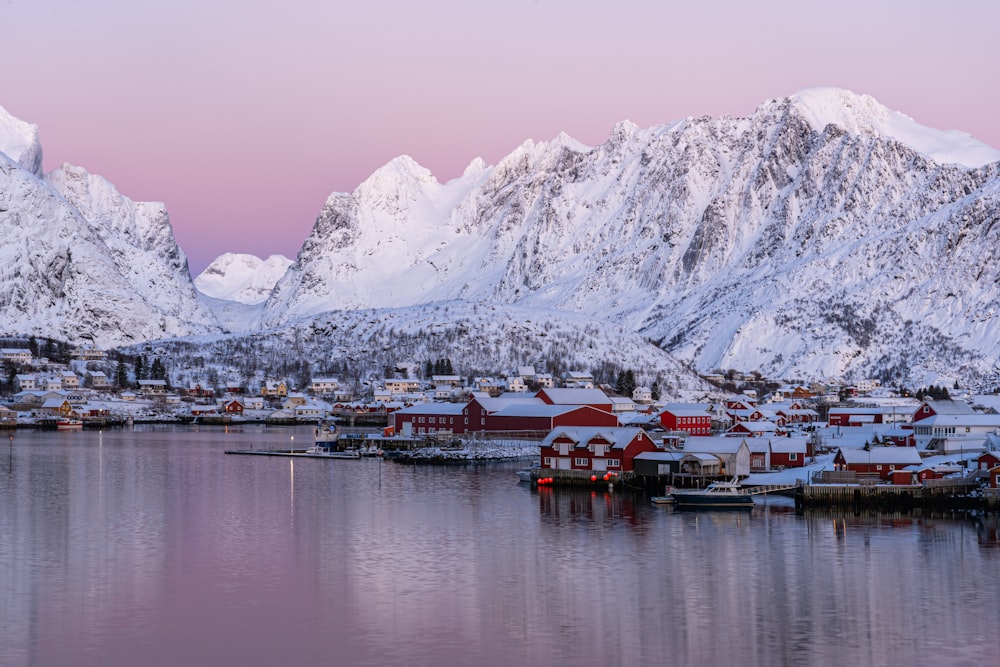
(297, 453)
(892, 497)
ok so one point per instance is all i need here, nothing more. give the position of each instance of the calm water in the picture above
(152, 547)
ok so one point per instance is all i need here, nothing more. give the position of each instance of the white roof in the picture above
(882, 455)
(619, 436)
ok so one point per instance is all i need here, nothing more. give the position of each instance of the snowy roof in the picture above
(976, 419)
(793, 445)
(575, 396)
(619, 437)
(450, 409)
(659, 456)
(535, 410)
(882, 455)
(713, 444)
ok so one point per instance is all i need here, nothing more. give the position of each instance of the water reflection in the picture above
(155, 548)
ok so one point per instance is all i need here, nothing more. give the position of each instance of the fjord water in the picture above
(153, 547)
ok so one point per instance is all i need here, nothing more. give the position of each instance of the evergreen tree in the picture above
(121, 375)
(628, 383)
(139, 370)
(157, 371)
(654, 391)
(428, 369)
(620, 383)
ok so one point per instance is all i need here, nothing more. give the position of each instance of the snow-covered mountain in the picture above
(241, 277)
(825, 235)
(81, 262)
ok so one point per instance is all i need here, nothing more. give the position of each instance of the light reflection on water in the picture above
(155, 548)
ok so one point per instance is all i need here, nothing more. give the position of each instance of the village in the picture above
(860, 435)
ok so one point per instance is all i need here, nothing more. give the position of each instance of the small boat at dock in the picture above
(717, 495)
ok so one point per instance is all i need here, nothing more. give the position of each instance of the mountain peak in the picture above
(241, 277)
(19, 141)
(863, 115)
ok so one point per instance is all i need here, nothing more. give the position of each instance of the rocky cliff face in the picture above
(817, 237)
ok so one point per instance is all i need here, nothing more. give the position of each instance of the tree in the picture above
(654, 391)
(139, 368)
(121, 375)
(157, 371)
(629, 383)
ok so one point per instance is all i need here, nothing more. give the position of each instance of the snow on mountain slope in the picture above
(19, 141)
(81, 262)
(241, 277)
(817, 237)
(859, 114)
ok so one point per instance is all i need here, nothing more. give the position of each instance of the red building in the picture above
(789, 452)
(594, 449)
(595, 398)
(909, 476)
(692, 421)
(508, 412)
(988, 461)
(881, 461)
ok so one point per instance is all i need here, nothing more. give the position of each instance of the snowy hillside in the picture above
(81, 262)
(242, 278)
(480, 339)
(817, 238)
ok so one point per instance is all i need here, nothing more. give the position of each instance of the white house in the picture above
(733, 452)
(324, 386)
(25, 382)
(15, 355)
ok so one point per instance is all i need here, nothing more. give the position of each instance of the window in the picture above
(614, 463)
(547, 461)
(581, 462)
(421, 420)
(432, 420)
(794, 456)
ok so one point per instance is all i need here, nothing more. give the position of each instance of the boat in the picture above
(717, 495)
(525, 475)
(326, 436)
(69, 424)
(666, 499)
(320, 450)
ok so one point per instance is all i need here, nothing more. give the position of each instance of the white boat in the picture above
(326, 435)
(69, 424)
(717, 495)
(525, 475)
(319, 450)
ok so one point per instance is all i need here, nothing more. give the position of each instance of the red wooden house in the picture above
(995, 478)
(912, 475)
(594, 449)
(233, 406)
(508, 412)
(789, 452)
(988, 461)
(692, 421)
(576, 396)
(881, 461)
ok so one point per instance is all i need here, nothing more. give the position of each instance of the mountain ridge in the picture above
(817, 237)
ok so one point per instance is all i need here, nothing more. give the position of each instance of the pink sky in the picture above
(244, 115)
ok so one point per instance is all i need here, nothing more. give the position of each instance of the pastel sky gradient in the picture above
(244, 115)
